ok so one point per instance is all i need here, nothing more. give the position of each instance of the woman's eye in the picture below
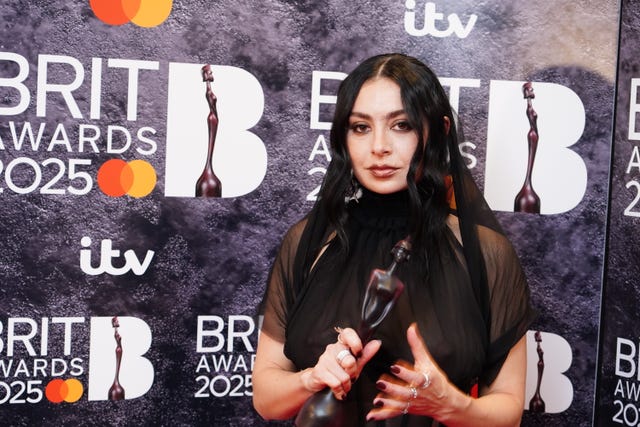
(404, 126)
(359, 128)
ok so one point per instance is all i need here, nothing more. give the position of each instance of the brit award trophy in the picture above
(536, 404)
(116, 392)
(208, 185)
(527, 199)
(323, 409)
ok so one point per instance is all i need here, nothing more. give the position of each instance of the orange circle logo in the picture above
(59, 390)
(143, 13)
(136, 178)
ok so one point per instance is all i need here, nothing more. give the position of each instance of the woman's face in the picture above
(380, 140)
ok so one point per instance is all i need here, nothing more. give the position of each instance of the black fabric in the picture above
(471, 307)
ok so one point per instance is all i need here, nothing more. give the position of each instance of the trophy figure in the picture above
(116, 392)
(323, 409)
(536, 404)
(208, 185)
(527, 200)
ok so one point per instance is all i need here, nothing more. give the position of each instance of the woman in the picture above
(395, 172)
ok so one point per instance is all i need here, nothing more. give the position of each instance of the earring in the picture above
(354, 193)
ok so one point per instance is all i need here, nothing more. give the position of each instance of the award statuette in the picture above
(116, 392)
(527, 199)
(323, 409)
(536, 404)
(208, 185)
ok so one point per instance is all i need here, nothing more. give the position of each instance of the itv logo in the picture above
(431, 17)
(108, 255)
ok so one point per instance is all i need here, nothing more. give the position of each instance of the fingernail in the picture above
(378, 403)
(353, 380)
(380, 385)
(343, 396)
(359, 355)
(395, 369)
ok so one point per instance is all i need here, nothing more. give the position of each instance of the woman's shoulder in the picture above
(491, 241)
(292, 236)
(296, 229)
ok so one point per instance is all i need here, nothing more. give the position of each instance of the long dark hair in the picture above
(426, 105)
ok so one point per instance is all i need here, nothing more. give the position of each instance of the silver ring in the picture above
(427, 380)
(405, 411)
(342, 354)
(414, 392)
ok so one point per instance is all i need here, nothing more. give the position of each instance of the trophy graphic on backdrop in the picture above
(536, 404)
(527, 200)
(116, 392)
(208, 185)
(323, 409)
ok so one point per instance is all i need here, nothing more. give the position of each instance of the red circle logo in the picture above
(136, 178)
(143, 13)
(60, 390)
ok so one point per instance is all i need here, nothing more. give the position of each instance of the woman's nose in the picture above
(380, 144)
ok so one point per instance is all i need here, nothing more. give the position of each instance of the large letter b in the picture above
(136, 372)
(559, 174)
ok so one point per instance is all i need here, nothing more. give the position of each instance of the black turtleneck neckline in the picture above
(381, 211)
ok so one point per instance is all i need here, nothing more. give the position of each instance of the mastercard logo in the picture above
(136, 178)
(143, 13)
(59, 390)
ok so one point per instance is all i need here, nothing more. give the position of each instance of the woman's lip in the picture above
(382, 171)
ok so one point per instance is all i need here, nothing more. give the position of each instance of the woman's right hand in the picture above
(340, 364)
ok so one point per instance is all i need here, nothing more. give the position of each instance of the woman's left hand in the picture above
(419, 389)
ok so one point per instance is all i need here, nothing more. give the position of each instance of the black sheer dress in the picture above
(439, 297)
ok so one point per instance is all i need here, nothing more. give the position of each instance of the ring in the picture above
(406, 408)
(342, 354)
(427, 380)
(414, 392)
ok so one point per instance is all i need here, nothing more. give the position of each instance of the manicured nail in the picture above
(359, 354)
(395, 369)
(378, 403)
(380, 385)
(353, 380)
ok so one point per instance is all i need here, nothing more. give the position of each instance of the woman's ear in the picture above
(447, 125)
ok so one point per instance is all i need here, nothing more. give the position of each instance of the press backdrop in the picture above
(103, 135)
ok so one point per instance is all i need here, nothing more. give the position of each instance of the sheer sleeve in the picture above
(511, 312)
(279, 294)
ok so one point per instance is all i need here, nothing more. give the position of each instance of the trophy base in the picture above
(324, 410)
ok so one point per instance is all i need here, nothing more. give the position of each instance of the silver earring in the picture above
(355, 191)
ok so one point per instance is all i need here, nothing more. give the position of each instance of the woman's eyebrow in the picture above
(389, 115)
